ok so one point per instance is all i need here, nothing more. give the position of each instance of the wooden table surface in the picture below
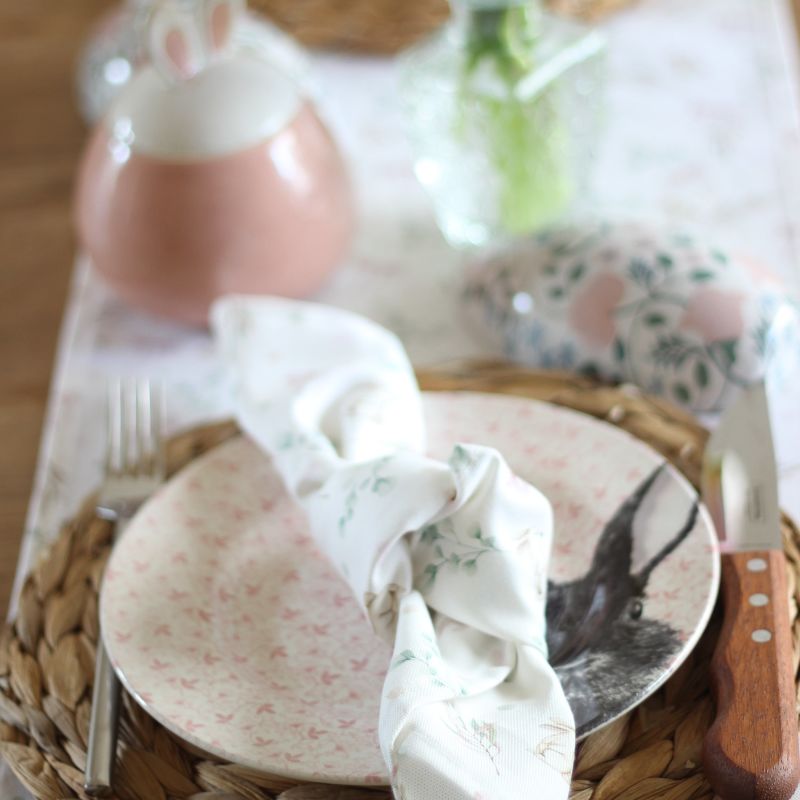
(40, 140)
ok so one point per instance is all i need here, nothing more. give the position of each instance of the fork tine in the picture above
(134, 416)
(114, 431)
(143, 426)
(130, 414)
(134, 461)
(157, 416)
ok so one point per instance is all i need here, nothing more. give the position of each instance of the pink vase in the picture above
(211, 175)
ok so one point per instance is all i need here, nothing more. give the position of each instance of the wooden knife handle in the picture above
(751, 750)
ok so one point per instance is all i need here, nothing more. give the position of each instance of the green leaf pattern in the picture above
(451, 553)
(479, 735)
(431, 663)
(651, 333)
(462, 459)
(681, 367)
(555, 747)
(375, 483)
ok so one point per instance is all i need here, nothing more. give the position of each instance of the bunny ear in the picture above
(221, 17)
(174, 43)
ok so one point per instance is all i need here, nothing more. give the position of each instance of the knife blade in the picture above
(751, 750)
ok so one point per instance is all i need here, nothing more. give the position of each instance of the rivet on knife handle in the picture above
(751, 750)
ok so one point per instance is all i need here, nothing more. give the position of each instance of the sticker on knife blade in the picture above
(747, 524)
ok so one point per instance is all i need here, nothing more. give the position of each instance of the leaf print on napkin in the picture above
(462, 459)
(430, 661)
(461, 556)
(291, 440)
(375, 483)
(480, 735)
(556, 747)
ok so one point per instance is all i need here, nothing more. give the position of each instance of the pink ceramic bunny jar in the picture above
(211, 174)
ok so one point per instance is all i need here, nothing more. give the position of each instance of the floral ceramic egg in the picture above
(628, 302)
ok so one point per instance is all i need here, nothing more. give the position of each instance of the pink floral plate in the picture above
(228, 626)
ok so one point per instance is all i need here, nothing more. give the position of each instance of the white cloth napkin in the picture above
(449, 559)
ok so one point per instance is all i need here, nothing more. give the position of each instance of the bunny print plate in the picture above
(230, 628)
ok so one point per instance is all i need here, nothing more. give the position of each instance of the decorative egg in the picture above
(628, 302)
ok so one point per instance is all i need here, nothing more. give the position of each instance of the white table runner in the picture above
(703, 130)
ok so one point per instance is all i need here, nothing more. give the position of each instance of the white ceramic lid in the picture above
(203, 95)
(229, 106)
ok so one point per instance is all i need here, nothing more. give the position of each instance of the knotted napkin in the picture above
(449, 559)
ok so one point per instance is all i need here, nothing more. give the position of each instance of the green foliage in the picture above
(727, 351)
(701, 375)
(525, 137)
(671, 351)
(681, 392)
(577, 272)
(641, 272)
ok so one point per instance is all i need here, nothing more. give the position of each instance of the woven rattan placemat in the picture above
(47, 654)
(386, 26)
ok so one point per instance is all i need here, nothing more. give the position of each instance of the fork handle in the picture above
(104, 719)
(102, 727)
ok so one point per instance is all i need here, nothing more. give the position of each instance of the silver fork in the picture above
(134, 468)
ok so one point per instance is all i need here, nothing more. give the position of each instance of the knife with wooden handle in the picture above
(751, 751)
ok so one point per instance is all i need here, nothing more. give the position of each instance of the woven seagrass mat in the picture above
(47, 653)
(386, 26)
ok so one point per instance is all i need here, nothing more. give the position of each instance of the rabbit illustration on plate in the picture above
(602, 644)
(211, 174)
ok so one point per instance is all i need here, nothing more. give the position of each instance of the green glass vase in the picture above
(503, 106)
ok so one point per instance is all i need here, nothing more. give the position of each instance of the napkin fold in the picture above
(448, 559)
